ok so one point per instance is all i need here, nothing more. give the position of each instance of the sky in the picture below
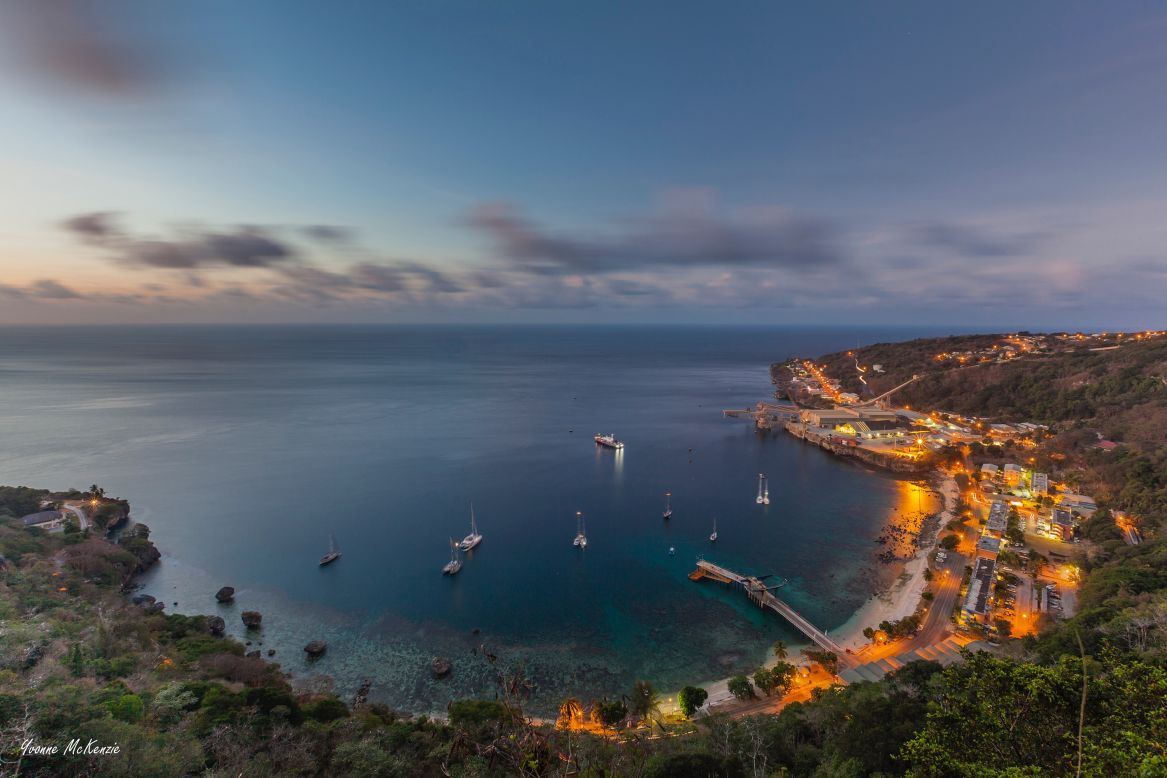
(995, 164)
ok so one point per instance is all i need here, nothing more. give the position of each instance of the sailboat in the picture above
(581, 538)
(765, 491)
(761, 479)
(668, 514)
(713, 535)
(333, 552)
(474, 538)
(455, 564)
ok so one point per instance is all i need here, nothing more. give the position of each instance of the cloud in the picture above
(240, 247)
(43, 289)
(330, 233)
(81, 46)
(973, 240)
(689, 237)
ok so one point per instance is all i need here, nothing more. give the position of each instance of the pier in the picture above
(758, 592)
(765, 414)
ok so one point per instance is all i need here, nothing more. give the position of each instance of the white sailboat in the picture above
(765, 491)
(668, 514)
(581, 538)
(455, 564)
(333, 552)
(474, 538)
(761, 478)
(713, 535)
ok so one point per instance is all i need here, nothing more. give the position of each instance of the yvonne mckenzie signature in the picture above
(75, 747)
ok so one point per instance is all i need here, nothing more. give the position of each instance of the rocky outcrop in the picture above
(251, 619)
(440, 667)
(362, 695)
(145, 600)
(216, 626)
(316, 648)
(271, 652)
(253, 654)
(226, 594)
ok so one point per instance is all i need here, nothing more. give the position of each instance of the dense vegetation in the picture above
(1086, 697)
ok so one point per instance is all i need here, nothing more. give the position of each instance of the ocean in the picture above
(244, 448)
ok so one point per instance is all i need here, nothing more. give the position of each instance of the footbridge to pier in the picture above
(756, 589)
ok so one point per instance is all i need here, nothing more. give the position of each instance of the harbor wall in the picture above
(895, 464)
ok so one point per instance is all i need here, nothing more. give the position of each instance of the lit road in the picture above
(80, 514)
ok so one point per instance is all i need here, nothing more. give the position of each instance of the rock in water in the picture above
(440, 667)
(362, 695)
(226, 594)
(251, 619)
(216, 626)
(316, 648)
(253, 655)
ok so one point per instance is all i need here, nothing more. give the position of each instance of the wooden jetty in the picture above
(756, 589)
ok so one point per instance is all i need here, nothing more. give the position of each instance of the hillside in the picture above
(1099, 387)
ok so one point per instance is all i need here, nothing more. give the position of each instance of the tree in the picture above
(690, 699)
(612, 712)
(95, 492)
(779, 648)
(76, 661)
(949, 542)
(644, 701)
(763, 679)
(739, 686)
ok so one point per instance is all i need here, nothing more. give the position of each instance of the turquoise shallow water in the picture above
(243, 448)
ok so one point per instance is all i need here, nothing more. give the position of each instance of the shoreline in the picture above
(899, 599)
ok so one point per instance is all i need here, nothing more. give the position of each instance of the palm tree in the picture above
(96, 492)
(780, 649)
(570, 714)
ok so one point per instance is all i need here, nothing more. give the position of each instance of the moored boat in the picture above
(609, 440)
(455, 564)
(333, 552)
(474, 538)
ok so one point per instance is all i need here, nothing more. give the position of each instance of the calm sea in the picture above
(244, 448)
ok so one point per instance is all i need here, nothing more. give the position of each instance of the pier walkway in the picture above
(757, 591)
(766, 414)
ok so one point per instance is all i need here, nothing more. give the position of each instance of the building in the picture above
(858, 422)
(998, 520)
(1014, 475)
(46, 520)
(1039, 483)
(989, 470)
(988, 546)
(1063, 523)
(1078, 502)
(980, 587)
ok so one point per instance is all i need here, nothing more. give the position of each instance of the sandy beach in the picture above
(899, 600)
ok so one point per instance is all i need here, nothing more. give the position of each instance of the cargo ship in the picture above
(609, 441)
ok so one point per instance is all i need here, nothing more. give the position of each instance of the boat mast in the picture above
(473, 524)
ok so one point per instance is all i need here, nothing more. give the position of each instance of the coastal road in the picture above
(82, 521)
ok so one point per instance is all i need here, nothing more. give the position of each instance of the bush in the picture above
(949, 542)
(325, 709)
(466, 713)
